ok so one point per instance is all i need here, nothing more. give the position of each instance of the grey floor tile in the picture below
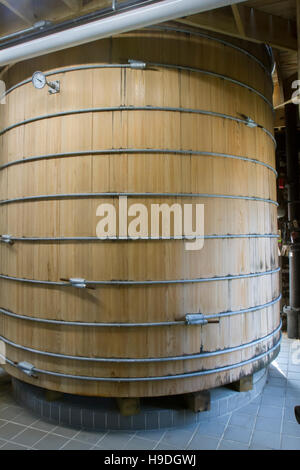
(90, 437)
(238, 434)
(10, 430)
(289, 413)
(154, 435)
(251, 409)
(294, 375)
(256, 401)
(276, 374)
(29, 437)
(268, 424)
(25, 418)
(2, 443)
(277, 381)
(232, 445)
(177, 438)
(12, 446)
(293, 384)
(164, 446)
(291, 429)
(43, 425)
(212, 428)
(203, 443)
(258, 447)
(3, 422)
(11, 412)
(243, 420)
(291, 401)
(269, 411)
(294, 368)
(289, 443)
(51, 442)
(271, 400)
(65, 431)
(117, 441)
(137, 443)
(77, 445)
(266, 439)
(274, 391)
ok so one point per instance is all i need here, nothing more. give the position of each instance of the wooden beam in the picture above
(198, 401)
(129, 406)
(74, 5)
(245, 384)
(279, 74)
(23, 10)
(257, 26)
(238, 20)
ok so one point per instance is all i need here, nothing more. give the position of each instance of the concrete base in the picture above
(4, 377)
(98, 414)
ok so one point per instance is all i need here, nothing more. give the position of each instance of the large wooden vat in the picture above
(220, 155)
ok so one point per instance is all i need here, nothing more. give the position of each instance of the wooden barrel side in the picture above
(176, 132)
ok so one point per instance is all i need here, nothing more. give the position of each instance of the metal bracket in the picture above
(54, 87)
(26, 368)
(288, 309)
(137, 64)
(195, 319)
(250, 122)
(7, 239)
(78, 283)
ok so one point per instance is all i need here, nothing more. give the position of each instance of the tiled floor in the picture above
(266, 423)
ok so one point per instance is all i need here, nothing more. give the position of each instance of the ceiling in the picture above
(284, 8)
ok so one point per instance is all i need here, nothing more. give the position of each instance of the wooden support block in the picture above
(4, 377)
(129, 406)
(198, 401)
(52, 395)
(243, 385)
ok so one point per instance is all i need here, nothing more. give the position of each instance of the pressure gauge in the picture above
(39, 80)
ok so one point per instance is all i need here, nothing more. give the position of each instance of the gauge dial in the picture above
(39, 80)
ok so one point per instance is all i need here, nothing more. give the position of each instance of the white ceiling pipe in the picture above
(165, 10)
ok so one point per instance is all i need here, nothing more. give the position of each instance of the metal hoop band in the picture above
(141, 283)
(137, 195)
(136, 325)
(144, 360)
(136, 151)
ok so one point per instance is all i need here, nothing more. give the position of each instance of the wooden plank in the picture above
(245, 384)
(198, 401)
(129, 406)
(238, 19)
(74, 5)
(258, 26)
